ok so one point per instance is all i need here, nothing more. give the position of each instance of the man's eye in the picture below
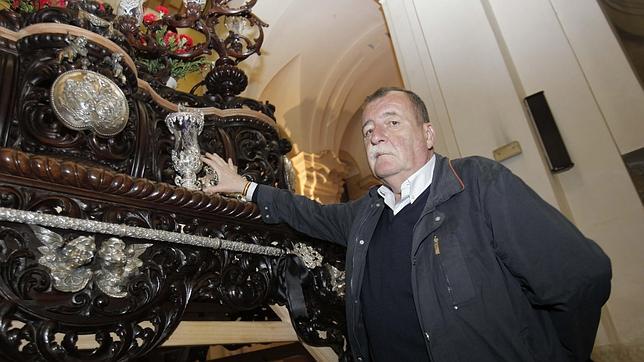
(368, 133)
(394, 123)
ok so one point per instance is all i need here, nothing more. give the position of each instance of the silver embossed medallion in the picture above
(83, 99)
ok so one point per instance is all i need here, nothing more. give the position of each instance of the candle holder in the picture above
(186, 126)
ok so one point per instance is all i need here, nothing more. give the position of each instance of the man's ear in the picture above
(430, 135)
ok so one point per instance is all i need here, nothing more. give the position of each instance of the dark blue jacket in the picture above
(497, 273)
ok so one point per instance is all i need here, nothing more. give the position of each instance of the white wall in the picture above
(475, 60)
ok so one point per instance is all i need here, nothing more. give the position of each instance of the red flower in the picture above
(185, 40)
(149, 18)
(42, 3)
(101, 6)
(170, 39)
(15, 4)
(162, 9)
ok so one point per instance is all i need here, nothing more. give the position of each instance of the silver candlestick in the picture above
(186, 126)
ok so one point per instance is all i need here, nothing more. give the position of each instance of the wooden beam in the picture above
(209, 333)
(192, 333)
(195, 333)
(321, 354)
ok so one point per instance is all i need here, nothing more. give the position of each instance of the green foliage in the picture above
(178, 68)
(23, 6)
(26, 7)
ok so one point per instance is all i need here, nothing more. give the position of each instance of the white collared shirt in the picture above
(411, 188)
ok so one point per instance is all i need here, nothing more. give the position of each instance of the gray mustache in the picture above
(375, 150)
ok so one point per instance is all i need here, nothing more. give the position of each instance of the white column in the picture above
(474, 61)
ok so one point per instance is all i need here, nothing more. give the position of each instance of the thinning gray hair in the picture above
(419, 105)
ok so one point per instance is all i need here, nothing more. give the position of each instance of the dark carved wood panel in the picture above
(171, 276)
(127, 179)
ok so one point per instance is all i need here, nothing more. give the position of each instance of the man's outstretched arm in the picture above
(326, 222)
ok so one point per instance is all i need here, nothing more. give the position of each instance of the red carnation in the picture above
(170, 39)
(162, 9)
(149, 18)
(185, 40)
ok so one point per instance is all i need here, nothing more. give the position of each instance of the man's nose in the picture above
(378, 135)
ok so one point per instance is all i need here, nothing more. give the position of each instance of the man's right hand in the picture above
(229, 180)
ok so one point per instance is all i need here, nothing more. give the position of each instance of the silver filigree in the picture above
(99, 23)
(311, 257)
(186, 126)
(71, 263)
(93, 19)
(75, 47)
(100, 227)
(115, 63)
(133, 8)
(83, 99)
(210, 179)
(118, 262)
(200, 3)
(289, 173)
(337, 279)
(66, 261)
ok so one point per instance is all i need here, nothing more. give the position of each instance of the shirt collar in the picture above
(411, 188)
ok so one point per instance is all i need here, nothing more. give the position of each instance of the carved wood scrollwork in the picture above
(168, 279)
(129, 327)
(49, 168)
(41, 132)
(142, 149)
(38, 322)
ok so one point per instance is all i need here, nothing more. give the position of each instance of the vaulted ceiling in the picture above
(319, 60)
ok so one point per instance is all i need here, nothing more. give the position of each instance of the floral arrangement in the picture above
(172, 41)
(156, 38)
(31, 6)
(176, 43)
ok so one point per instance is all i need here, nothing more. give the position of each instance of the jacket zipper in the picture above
(426, 332)
(429, 343)
(437, 252)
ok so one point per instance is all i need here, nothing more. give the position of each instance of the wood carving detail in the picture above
(69, 173)
(126, 179)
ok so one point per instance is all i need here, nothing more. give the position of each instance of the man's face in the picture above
(396, 141)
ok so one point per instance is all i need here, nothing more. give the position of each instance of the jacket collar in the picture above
(446, 183)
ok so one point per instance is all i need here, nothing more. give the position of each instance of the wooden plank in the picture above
(321, 354)
(209, 333)
(194, 333)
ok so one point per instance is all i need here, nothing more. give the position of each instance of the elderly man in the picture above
(448, 260)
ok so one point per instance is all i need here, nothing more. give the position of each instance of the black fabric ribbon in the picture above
(292, 274)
